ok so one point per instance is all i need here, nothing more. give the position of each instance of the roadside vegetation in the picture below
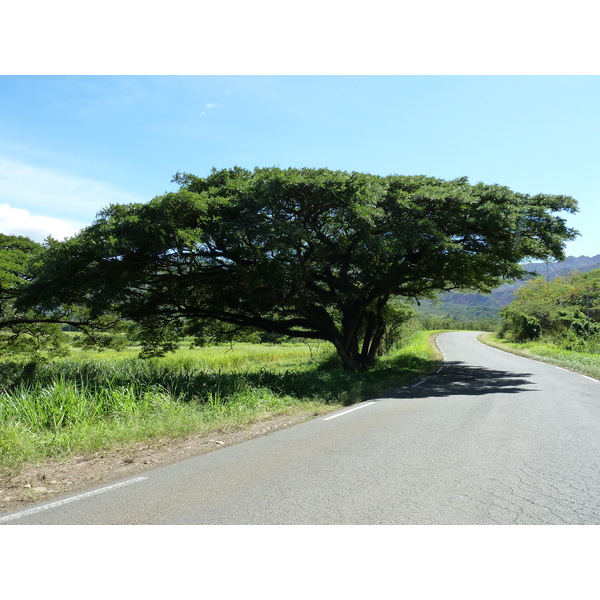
(586, 363)
(564, 312)
(93, 401)
(555, 321)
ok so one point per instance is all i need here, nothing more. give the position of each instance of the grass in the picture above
(586, 363)
(90, 401)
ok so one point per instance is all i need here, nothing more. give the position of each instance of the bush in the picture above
(564, 311)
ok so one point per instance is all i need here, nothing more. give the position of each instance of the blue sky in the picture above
(70, 145)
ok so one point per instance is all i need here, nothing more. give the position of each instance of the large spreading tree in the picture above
(309, 253)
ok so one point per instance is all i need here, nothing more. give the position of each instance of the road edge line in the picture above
(363, 405)
(57, 503)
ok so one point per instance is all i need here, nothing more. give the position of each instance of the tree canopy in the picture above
(309, 253)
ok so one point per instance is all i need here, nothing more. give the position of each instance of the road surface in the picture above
(491, 438)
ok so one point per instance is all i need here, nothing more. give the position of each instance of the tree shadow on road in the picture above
(461, 379)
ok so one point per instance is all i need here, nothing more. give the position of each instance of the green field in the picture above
(93, 401)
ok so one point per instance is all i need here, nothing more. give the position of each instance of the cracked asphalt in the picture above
(491, 438)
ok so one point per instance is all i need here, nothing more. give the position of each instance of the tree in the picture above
(565, 310)
(308, 253)
(22, 332)
(26, 330)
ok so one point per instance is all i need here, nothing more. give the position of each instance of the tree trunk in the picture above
(354, 359)
(372, 324)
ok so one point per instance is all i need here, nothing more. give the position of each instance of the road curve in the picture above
(491, 438)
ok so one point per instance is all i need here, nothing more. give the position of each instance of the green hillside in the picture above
(472, 307)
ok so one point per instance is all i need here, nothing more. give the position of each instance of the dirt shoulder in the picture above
(52, 479)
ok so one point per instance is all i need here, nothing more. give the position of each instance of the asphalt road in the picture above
(491, 438)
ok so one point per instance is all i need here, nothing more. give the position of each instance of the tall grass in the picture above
(91, 402)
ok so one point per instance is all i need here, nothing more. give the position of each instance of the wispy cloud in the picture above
(59, 195)
(18, 221)
(208, 106)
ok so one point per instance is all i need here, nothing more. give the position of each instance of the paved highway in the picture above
(491, 438)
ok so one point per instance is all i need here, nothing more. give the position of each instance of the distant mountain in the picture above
(572, 263)
(489, 304)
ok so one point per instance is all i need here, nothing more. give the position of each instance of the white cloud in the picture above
(57, 194)
(18, 221)
(209, 105)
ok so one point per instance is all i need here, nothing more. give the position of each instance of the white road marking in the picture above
(543, 362)
(348, 411)
(437, 343)
(418, 383)
(576, 373)
(37, 509)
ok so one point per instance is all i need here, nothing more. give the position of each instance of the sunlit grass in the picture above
(93, 401)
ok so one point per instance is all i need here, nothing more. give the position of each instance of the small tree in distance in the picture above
(308, 253)
(23, 333)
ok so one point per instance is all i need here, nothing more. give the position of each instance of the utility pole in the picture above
(587, 305)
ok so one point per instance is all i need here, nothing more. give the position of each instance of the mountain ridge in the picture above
(457, 305)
